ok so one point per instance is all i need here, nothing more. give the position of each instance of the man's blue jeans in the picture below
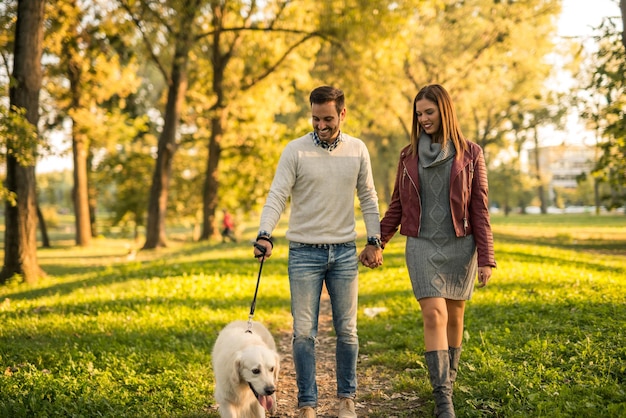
(310, 266)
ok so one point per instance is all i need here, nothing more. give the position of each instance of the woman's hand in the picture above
(484, 274)
(371, 256)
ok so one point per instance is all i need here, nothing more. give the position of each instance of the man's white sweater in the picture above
(321, 185)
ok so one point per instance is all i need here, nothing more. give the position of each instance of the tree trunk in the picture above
(157, 206)
(538, 175)
(211, 182)
(80, 192)
(218, 118)
(92, 198)
(596, 195)
(45, 240)
(541, 191)
(80, 150)
(20, 254)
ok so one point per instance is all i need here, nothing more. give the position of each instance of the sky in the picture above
(578, 18)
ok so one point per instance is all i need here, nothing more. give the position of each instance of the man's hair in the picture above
(325, 94)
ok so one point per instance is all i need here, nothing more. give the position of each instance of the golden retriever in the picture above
(245, 365)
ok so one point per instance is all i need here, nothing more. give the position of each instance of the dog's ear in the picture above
(235, 371)
(277, 368)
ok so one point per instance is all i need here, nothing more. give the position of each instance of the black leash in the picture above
(258, 281)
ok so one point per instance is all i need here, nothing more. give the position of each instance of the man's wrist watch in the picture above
(375, 241)
(263, 234)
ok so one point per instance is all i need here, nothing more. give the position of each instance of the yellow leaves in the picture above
(106, 128)
(19, 135)
(108, 78)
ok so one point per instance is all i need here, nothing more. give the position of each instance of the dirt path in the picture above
(375, 393)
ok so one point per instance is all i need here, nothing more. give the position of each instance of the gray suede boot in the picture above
(455, 355)
(438, 363)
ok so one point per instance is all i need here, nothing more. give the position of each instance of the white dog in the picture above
(245, 365)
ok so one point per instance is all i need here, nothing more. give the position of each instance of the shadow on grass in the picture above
(85, 276)
(520, 256)
(566, 242)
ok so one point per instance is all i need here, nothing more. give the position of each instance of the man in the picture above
(320, 172)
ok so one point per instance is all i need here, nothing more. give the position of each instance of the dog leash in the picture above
(256, 291)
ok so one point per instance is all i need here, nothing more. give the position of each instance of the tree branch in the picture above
(280, 60)
(145, 39)
(259, 29)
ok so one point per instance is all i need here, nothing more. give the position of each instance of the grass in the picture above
(107, 336)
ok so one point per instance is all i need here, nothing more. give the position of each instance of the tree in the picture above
(171, 30)
(509, 187)
(122, 172)
(175, 21)
(89, 83)
(20, 255)
(537, 113)
(609, 86)
(74, 64)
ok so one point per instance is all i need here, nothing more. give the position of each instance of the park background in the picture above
(174, 111)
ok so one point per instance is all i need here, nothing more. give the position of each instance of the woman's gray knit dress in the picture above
(440, 264)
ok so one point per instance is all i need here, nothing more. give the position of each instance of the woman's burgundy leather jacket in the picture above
(468, 201)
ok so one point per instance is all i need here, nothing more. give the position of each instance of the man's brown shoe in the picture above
(307, 412)
(346, 408)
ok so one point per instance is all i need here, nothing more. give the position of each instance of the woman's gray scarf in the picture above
(432, 154)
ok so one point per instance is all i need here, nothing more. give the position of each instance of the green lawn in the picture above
(107, 336)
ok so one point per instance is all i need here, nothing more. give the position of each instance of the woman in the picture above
(440, 202)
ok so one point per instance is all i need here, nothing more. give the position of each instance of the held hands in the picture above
(371, 256)
(484, 274)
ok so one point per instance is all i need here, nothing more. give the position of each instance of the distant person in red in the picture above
(228, 225)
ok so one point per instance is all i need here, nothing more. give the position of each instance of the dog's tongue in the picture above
(266, 402)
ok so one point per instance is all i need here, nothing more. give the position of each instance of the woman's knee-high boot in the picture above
(455, 355)
(438, 363)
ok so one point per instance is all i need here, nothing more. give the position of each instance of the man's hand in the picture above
(260, 254)
(371, 256)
